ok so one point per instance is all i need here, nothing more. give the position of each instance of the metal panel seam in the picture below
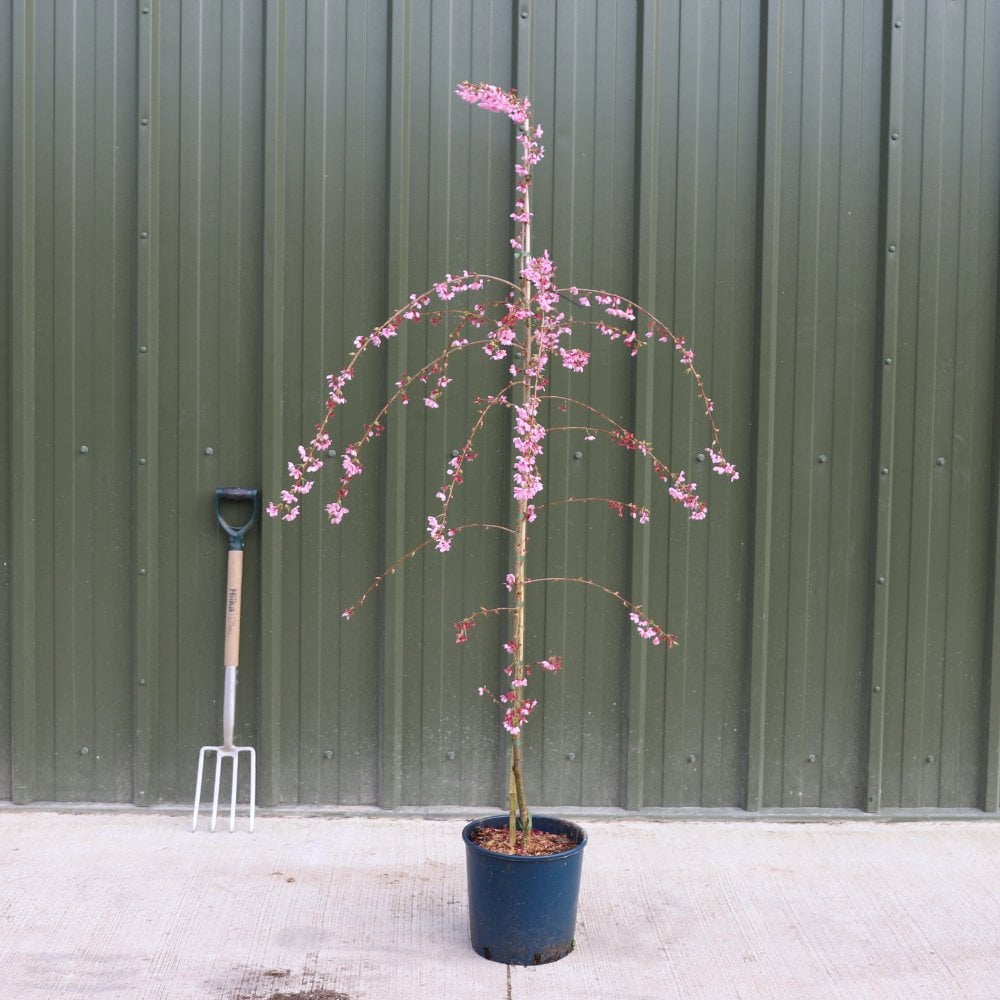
(146, 415)
(22, 403)
(272, 341)
(393, 653)
(882, 499)
(766, 391)
(645, 382)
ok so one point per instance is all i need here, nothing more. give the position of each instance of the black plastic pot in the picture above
(522, 909)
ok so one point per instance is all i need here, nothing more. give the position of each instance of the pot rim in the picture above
(501, 819)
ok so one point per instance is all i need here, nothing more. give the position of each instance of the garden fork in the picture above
(234, 589)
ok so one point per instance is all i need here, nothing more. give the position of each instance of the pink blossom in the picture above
(527, 442)
(685, 493)
(575, 360)
(541, 272)
(336, 512)
(517, 716)
(352, 468)
(462, 629)
(290, 508)
(651, 631)
(686, 355)
(440, 533)
(723, 466)
(490, 97)
(335, 385)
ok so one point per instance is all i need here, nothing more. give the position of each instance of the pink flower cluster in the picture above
(640, 514)
(615, 305)
(687, 355)
(519, 707)
(541, 272)
(451, 285)
(529, 434)
(574, 359)
(335, 389)
(722, 466)
(490, 97)
(517, 714)
(533, 153)
(686, 495)
(309, 460)
(504, 331)
(651, 631)
(441, 534)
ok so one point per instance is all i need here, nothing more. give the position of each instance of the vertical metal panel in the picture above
(991, 750)
(71, 457)
(945, 252)
(272, 395)
(205, 127)
(6, 354)
(819, 308)
(584, 200)
(884, 411)
(94, 245)
(977, 310)
(25, 757)
(449, 181)
(326, 272)
(699, 88)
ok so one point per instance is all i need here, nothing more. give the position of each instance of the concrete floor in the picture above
(131, 904)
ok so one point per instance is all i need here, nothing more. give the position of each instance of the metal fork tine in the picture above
(197, 788)
(253, 784)
(232, 800)
(215, 794)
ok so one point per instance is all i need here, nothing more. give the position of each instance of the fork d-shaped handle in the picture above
(237, 494)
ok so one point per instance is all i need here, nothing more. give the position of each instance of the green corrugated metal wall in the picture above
(206, 200)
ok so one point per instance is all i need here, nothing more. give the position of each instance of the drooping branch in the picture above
(646, 628)
(390, 570)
